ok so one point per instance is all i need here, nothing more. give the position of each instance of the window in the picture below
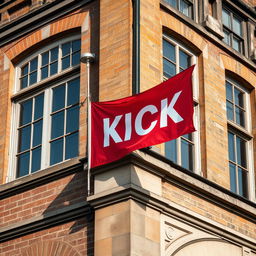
(183, 151)
(46, 114)
(239, 139)
(233, 30)
(184, 6)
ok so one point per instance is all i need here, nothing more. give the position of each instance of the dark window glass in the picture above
(57, 125)
(71, 146)
(65, 49)
(73, 92)
(23, 164)
(72, 119)
(45, 58)
(184, 60)
(186, 155)
(44, 72)
(58, 98)
(36, 159)
(33, 78)
(66, 62)
(242, 182)
(56, 151)
(76, 45)
(169, 69)
(24, 70)
(39, 106)
(171, 150)
(33, 64)
(169, 51)
(53, 68)
(76, 58)
(37, 136)
(24, 82)
(231, 147)
(24, 138)
(26, 112)
(54, 54)
(232, 173)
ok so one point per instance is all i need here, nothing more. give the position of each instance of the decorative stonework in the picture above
(173, 233)
(50, 248)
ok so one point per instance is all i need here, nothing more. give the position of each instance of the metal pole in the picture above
(88, 58)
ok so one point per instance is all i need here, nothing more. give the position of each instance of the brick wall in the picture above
(44, 199)
(73, 238)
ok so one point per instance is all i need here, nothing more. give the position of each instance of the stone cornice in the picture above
(38, 18)
(167, 207)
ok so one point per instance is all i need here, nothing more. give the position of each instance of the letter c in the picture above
(138, 121)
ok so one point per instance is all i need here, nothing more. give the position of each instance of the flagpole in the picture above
(88, 58)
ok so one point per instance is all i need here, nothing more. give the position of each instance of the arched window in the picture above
(46, 108)
(183, 151)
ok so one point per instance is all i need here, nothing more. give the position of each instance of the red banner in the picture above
(157, 115)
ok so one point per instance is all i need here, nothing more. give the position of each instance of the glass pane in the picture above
(53, 68)
(240, 117)
(169, 51)
(172, 3)
(188, 136)
(76, 45)
(226, 18)
(237, 44)
(66, 62)
(231, 147)
(73, 92)
(239, 98)
(72, 119)
(169, 69)
(237, 26)
(45, 58)
(229, 94)
(58, 98)
(57, 125)
(230, 111)
(186, 155)
(26, 112)
(54, 54)
(75, 58)
(24, 70)
(171, 150)
(65, 49)
(71, 146)
(44, 73)
(33, 78)
(184, 7)
(33, 64)
(241, 151)
(24, 138)
(56, 151)
(37, 136)
(24, 82)
(39, 106)
(184, 60)
(232, 173)
(226, 37)
(23, 164)
(36, 159)
(242, 182)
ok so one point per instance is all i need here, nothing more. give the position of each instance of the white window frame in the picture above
(26, 94)
(245, 133)
(196, 117)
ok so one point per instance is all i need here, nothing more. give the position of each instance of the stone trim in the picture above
(45, 221)
(168, 208)
(37, 17)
